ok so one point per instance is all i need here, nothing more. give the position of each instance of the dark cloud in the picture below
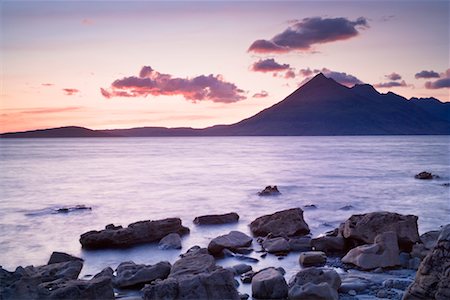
(262, 94)
(302, 35)
(390, 84)
(150, 82)
(442, 82)
(393, 76)
(269, 65)
(70, 92)
(427, 74)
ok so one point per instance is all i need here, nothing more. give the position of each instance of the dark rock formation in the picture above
(131, 275)
(312, 258)
(170, 241)
(135, 233)
(73, 208)
(231, 241)
(315, 283)
(284, 223)
(425, 176)
(269, 191)
(329, 244)
(217, 219)
(269, 284)
(58, 257)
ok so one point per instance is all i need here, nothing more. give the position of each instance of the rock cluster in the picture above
(270, 191)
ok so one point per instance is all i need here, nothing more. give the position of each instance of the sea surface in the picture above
(130, 179)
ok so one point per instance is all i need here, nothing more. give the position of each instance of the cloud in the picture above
(289, 74)
(150, 82)
(442, 82)
(262, 94)
(340, 77)
(304, 34)
(390, 84)
(269, 65)
(70, 92)
(47, 84)
(306, 72)
(426, 74)
(50, 110)
(393, 76)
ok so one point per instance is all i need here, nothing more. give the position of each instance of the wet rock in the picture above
(195, 261)
(269, 284)
(312, 258)
(113, 227)
(243, 250)
(244, 296)
(364, 228)
(230, 241)
(58, 257)
(131, 275)
(418, 250)
(246, 258)
(73, 208)
(217, 219)
(286, 223)
(269, 191)
(425, 176)
(95, 289)
(433, 277)
(383, 253)
(135, 233)
(315, 283)
(170, 241)
(247, 276)
(275, 245)
(309, 206)
(241, 269)
(106, 272)
(329, 244)
(299, 243)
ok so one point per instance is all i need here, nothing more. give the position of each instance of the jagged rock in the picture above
(312, 258)
(217, 219)
(433, 276)
(284, 223)
(329, 244)
(135, 233)
(269, 191)
(230, 241)
(130, 274)
(426, 176)
(383, 253)
(275, 245)
(363, 228)
(170, 241)
(58, 257)
(269, 284)
(315, 283)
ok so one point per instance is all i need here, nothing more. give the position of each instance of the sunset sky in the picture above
(111, 64)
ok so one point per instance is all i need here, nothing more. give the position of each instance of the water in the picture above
(130, 179)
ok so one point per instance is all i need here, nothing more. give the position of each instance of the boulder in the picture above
(135, 233)
(170, 241)
(429, 239)
(95, 289)
(433, 277)
(315, 283)
(240, 269)
(329, 244)
(425, 176)
(312, 258)
(383, 253)
(269, 191)
(284, 223)
(363, 228)
(276, 245)
(269, 284)
(131, 275)
(58, 257)
(217, 219)
(230, 241)
(300, 243)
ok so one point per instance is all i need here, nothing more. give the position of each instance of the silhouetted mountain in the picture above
(320, 107)
(60, 132)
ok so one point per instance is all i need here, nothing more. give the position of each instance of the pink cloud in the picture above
(393, 76)
(262, 94)
(269, 65)
(442, 82)
(150, 82)
(47, 84)
(70, 92)
(390, 84)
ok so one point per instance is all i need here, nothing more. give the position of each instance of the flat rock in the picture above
(58, 257)
(286, 223)
(230, 241)
(269, 284)
(312, 258)
(130, 274)
(329, 244)
(135, 233)
(217, 219)
(275, 245)
(170, 241)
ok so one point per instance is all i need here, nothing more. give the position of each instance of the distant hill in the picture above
(320, 107)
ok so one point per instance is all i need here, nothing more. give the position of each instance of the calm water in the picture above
(131, 179)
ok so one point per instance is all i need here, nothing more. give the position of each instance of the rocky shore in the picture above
(369, 256)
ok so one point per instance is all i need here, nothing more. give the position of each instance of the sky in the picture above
(113, 64)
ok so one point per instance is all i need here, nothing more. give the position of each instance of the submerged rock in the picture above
(73, 208)
(270, 191)
(217, 219)
(425, 176)
(135, 233)
(284, 223)
(231, 241)
(130, 274)
(269, 284)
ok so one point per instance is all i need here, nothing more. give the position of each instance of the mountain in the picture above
(320, 107)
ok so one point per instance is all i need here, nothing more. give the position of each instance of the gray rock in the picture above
(230, 241)
(284, 223)
(425, 176)
(95, 289)
(300, 243)
(312, 258)
(241, 269)
(270, 191)
(130, 274)
(269, 284)
(399, 284)
(353, 284)
(310, 291)
(429, 239)
(433, 277)
(383, 253)
(217, 219)
(106, 272)
(329, 244)
(315, 283)
(170, 241)
(58, 257)
(135, 233)
(274, 245)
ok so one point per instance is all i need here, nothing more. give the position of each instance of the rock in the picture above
(352, 293)
(329, 244)
(363, 228)
(194, 262)
(399, 284)
(113, 227)
(106, 272)
(312, 258)
(276, 245)
(429, 239)
(404, 259)
(269, 191)
(58, 257)
(246, 258)
(353, 284)
(433, 277)
(95, 289)
(241, 269)
(130, 274)
(299, 243)
(247, 276)
(244, 296)
(419, 251)
(346, 207)
(284, 223)
(414, 263)
(135, 233)
(425, 176)
(315, 283)
(170, 241)
(73, 208)
(269, 284)
(230, 241)
(309, 206)
(243, 250)
(217, 219)
(383, 253)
